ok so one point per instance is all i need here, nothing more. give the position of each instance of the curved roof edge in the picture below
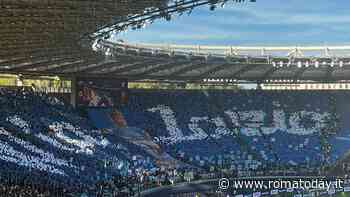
(250, 51)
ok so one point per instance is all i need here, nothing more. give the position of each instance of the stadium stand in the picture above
(41, 134)
(286, 129)
(145, 140)
(286, 126)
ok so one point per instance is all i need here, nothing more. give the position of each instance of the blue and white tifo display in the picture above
(241, 131)
(300, 127)
(40, 135)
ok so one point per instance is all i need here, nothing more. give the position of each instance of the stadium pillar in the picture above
(73, 95)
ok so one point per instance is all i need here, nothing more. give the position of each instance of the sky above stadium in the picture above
(266, 22)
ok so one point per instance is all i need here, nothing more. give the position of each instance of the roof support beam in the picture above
(269, 72)
(329, 72)
(299, 73)
(101, 66)
(74, 67)
(193, 66)
(52, 60)
(106, 65)
(134, 66)
(243, 70)
(213, 70)
(160, 67)
(43, 63)
(42, 57)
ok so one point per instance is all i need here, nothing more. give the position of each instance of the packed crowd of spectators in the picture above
(29, 191)
(40, 135)
(246, 128)
(34, 184)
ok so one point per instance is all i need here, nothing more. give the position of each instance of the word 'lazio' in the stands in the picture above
(249, 123)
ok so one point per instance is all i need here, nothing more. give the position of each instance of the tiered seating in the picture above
(240, 131)
(280, 128)
(41, 134)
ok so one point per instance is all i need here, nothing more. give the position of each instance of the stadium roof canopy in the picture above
(54, 37)
(37, 33)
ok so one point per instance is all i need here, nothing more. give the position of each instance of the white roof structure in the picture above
(192, 62)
